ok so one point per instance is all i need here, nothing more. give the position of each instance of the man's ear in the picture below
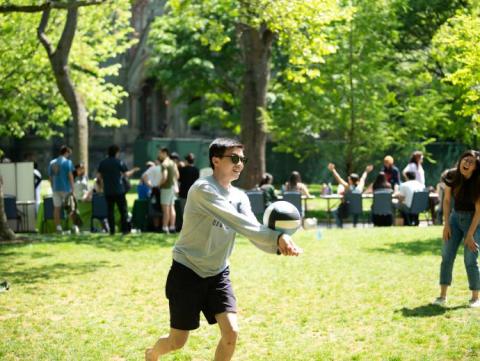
(215, 161)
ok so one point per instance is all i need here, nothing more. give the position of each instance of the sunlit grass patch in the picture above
(356, 294)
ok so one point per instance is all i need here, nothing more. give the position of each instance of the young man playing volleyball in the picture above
(199, 280)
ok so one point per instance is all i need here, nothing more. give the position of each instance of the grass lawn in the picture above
(355, 294)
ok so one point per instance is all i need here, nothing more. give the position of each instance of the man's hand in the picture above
(331, 167)
(287, 247)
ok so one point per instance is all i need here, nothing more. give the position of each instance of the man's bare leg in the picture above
(171, 221)
(229, 329)
(165, 217)
(56, 216)
(175, 340)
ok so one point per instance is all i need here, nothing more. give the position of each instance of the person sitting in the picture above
(381, 184)
(405, 198)
(268, 189)
(354, 184)
(295, 184)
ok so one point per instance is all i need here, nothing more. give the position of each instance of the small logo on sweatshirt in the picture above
(217, 223)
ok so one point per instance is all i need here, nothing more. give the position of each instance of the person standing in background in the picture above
(415, 165)
(167, 191)
(37, 181)
(110, 171)
(392, 174)
(188, 174)
(60, 173)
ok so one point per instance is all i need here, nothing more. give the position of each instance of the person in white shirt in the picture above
(152, 178)
(405, 197)
(415, 165)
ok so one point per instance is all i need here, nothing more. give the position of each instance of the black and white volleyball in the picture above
(282, 216)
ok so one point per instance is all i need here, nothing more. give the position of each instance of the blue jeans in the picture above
(459, 224)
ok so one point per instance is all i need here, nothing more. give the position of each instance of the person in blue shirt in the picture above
(60, 173)
(113, 172)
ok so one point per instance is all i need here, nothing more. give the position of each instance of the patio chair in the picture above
(296, 199)
(354, 205)
(11, 211)
(257, 203)
(382, 209)
(99, 211)
(420, 204)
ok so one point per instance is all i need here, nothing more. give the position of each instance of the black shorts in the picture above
(189, 294)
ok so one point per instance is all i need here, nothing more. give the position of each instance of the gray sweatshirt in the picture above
(211, 218)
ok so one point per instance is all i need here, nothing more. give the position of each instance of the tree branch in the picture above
(66, 40)
(42, 37)
(47, 5)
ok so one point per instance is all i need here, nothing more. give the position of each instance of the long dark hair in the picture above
(294, 179)
(381, 182)
(266, 179)
(457, 181)
(415, 158)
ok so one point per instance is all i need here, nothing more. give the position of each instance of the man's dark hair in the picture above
(113, 150)
(190, 158)
(64, 149)
(410, 175)
(218, 147)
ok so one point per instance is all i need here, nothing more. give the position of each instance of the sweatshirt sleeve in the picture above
(242, 221)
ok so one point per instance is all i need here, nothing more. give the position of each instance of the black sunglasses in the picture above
(236, 158)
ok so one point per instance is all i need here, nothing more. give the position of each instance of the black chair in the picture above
(420, 204)
(99, 210)
(296, 199)
(382, 210)
(257, 203)
(48, 212)
(355, 205)
(11, 211)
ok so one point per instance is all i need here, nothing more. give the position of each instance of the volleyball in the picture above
(282, 216)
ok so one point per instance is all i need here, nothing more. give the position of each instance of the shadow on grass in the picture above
(53, 271)
(427, 310)
(116, 243)
(419, 247)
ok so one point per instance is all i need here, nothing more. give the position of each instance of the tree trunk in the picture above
(351, 131)
(256, 45)
(6, 234)
(59, 62)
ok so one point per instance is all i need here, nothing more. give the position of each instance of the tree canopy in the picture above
(30, 101)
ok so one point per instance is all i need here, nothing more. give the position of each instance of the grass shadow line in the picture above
(431, 246)
(115, 243)
(33, 275)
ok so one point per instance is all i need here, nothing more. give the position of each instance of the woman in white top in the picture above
(415, 166)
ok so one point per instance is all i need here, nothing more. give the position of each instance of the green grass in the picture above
(355, 294)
